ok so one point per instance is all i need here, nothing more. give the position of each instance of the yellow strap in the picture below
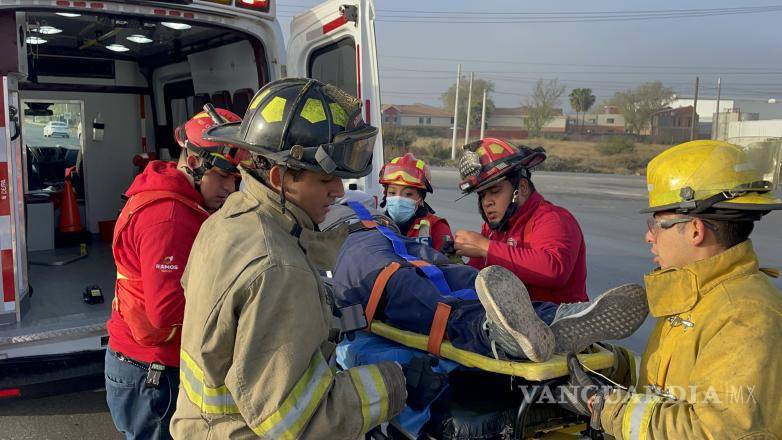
(773, 272)
(535, 371)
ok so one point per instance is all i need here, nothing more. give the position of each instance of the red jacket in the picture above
(438, 229)
(153, 248)
(545, 248)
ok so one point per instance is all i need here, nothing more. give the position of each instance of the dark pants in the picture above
(139, 412)
(410, 301)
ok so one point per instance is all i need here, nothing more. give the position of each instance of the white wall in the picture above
(230, 67)
(437, 121)
(126, 73)
(505, 121)
(108, 165)
(767, 128)
(706, 107)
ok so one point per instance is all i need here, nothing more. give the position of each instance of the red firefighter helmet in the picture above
(224, 156)
(407, 171)
(488, 161)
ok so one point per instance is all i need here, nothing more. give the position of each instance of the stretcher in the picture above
(522, 375)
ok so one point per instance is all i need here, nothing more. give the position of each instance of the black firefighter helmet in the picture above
(304, 124)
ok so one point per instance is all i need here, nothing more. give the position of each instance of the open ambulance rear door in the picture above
(13, 258)
(334, 42)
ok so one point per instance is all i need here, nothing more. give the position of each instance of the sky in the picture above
(421, 42)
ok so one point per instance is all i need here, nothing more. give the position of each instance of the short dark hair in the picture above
(731, 233)
(262, 166)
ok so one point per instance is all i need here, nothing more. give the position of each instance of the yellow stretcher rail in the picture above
(533, 371)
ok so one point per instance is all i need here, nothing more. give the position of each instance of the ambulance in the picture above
(116, 78)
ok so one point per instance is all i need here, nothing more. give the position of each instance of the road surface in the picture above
(605, 205)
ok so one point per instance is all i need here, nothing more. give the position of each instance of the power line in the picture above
(575, 64)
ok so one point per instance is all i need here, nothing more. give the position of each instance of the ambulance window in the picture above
(53, 138)
(335, 64)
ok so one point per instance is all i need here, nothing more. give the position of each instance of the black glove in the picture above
(423, 383)
(580, 389)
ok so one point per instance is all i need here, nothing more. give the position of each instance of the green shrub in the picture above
(614, 145)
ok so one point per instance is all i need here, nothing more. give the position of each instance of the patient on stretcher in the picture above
(490, 311)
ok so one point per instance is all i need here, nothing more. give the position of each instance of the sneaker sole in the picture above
(616, 314)
(506, 301)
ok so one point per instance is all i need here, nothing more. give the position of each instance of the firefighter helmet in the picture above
(190, 135)
(488, 161)
(407, 171)
(697, 176)
(305, 124)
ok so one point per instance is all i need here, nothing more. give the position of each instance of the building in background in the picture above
(707, 109)
(608, 120)
(672, 125)
(416, 115)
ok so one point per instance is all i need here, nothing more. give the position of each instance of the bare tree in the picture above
(638, 105)
(478, 85)
(542, 106)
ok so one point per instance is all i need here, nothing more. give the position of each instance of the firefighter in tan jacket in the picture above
(712, 367)
(259, 336)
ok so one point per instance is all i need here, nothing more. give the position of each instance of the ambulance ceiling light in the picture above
(48, 30)
(35, 40)
(68, 14)
(117, 48)
(176, 26)
(140, 39)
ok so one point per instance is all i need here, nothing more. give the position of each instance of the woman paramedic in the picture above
(406, 180)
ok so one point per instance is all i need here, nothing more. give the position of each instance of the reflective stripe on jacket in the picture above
(713, 362)
(256, 354)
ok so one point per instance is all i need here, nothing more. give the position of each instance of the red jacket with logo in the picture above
(438, 229)
(153, 248)
(544, 247)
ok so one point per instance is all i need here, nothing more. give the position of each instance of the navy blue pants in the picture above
(139, 412)
(411, 300)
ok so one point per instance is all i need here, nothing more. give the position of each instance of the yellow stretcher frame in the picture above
(534, 371)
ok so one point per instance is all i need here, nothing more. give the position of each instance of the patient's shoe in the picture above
(615, 314)
(512, 322)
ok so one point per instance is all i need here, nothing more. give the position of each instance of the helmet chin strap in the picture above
(501, 225)
(197, 174)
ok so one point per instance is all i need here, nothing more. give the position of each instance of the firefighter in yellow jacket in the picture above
(259, 337)
(713, 364)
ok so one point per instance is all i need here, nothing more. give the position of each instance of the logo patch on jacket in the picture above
(512, 242)
(167, 265)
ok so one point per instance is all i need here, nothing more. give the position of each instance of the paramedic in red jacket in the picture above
(406, 180)
(152, 240)
(539, 242)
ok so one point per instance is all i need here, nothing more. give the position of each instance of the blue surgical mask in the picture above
(401, 209)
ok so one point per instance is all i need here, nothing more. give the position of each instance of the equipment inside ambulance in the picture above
(116, 78)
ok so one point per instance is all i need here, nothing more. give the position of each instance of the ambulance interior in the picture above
(103, 94)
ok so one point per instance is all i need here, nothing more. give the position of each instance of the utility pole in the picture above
(456, 111)
(694, 111)
(469, 104)
(716, 121)
(483, 113)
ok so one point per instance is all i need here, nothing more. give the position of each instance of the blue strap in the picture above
(432, 272)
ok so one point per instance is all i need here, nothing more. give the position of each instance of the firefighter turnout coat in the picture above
(257, 341)
(712, 366)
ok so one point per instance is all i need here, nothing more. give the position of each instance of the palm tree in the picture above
(581, 101)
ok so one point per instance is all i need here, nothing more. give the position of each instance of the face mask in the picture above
(401, 209)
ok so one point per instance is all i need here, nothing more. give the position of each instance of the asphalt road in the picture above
(33, 136)
(605, 205)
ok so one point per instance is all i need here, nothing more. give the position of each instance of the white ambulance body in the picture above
(121, 76)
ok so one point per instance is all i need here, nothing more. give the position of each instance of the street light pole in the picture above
(456, 111)
(469, 104)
